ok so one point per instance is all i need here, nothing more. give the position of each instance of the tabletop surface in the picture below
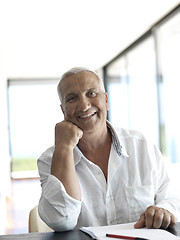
(69, 235)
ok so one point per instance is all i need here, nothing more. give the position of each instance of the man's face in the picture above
(83, 101)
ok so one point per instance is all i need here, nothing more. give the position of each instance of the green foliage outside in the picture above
(24, 164)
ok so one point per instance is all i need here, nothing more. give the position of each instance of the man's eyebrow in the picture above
(70, 94)
(90, 89)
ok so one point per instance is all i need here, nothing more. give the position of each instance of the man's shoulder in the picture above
(47, 153)
(125, 132)
(129, 133)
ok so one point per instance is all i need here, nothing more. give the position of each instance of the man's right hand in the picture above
(67, 134)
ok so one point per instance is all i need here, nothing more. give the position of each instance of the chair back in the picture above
(36, 224)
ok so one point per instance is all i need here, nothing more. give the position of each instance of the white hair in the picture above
(77, 70)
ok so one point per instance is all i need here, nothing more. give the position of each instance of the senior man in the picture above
(97, 174)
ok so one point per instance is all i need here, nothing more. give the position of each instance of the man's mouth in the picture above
(87, 116)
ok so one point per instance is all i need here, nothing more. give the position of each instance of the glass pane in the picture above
(132, 90)
(169, 50)
(34, 109)
(143, 90)
(117, 89)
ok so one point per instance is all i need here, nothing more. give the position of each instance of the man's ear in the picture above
(62, 108)
(107, 101)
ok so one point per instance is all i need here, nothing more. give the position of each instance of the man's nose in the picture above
(84, 104)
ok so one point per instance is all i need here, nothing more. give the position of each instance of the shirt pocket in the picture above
(138, 199)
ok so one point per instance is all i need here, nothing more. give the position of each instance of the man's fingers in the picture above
(163, 219)
(141, 222)
(149, 214)
(166, 221)
(160, 219)
(155, 217)
(68, 134)
(172, 222)
(80, 133)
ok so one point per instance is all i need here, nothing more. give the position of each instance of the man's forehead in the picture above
(81, 75)
(80, 82)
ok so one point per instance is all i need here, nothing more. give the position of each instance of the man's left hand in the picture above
(155, 217)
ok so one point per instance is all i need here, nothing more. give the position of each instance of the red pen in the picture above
(124, 237)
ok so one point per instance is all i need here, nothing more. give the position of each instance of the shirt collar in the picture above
(120, 150)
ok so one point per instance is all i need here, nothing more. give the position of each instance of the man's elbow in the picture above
(55, 220)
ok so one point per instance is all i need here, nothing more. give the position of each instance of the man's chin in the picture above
(86, 127)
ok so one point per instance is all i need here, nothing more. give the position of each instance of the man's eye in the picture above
(71, 99)
(92, 94)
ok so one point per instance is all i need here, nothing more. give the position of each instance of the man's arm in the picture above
(58, 205)
(67, 136)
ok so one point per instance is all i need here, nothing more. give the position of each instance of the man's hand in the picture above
(67, 134)
(155, 217)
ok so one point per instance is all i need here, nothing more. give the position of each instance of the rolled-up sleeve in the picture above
(59, 210)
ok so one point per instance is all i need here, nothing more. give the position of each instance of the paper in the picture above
(129, 230)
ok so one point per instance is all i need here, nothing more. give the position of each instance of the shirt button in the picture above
(110, 222)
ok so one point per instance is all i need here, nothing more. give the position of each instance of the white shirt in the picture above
(137, 178)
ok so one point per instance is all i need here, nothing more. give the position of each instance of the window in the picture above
(34, 109)
(168, 38)
(143, 88)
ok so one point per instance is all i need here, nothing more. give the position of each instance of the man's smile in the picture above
(87, 116)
